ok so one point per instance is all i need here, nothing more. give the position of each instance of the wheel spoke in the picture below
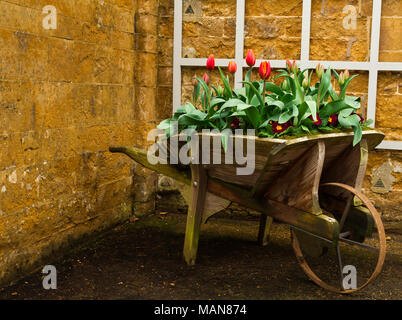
(345, 234)
(338, 255)
(345, 212)
(355, 243)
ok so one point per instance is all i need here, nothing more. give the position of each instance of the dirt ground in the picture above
(143, 260)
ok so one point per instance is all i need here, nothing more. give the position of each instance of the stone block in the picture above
(390, 35)
(388, 111)
(166, 8)
(146, 24)
(273, 8)
(204, 46)
(146, 69)
(146, 43)
(337, 49)
(145, 107)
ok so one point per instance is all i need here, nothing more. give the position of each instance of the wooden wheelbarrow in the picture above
(311, 183)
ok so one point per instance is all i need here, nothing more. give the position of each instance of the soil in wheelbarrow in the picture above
(142, 259)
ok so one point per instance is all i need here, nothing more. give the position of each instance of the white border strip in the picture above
(177, 49)
(389, 66)
(373, 71)
(202, 62)
(305, 35)
(338, 65)
(240, 11)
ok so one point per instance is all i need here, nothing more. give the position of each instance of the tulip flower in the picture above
(333, 119)
(346, 74)
(341, 79)
(305, 81)
(250, 58)
(288, 65)
(211, 62)
(319, 69)
(285, 84)
(205, 77)
(232, 66)
(265, 70)
(295, 67)
(194, 80)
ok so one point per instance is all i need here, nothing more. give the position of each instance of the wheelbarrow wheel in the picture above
(343, 239)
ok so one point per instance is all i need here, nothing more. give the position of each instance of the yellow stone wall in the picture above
(65, 96)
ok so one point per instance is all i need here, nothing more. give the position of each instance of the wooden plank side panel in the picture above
(298, 187)
(290, 151)
(343, 169)
(280, 163)
(229, 172)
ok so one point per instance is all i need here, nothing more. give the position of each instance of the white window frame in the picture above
(372, 66)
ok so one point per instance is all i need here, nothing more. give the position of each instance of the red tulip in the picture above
(333, 119)
(232, 66)
(265, 70)
(295, 67)
(211, 62)
(288, 65)
(250, 58)
(205, 78)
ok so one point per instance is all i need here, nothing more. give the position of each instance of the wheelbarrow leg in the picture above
(195, 212)
(265, 229)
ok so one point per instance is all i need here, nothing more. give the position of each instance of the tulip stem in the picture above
(318, 97)
(209, 93)
(263, 93)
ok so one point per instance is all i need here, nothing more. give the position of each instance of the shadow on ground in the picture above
(143, 260)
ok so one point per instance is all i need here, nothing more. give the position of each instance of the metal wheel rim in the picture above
(382, 250)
